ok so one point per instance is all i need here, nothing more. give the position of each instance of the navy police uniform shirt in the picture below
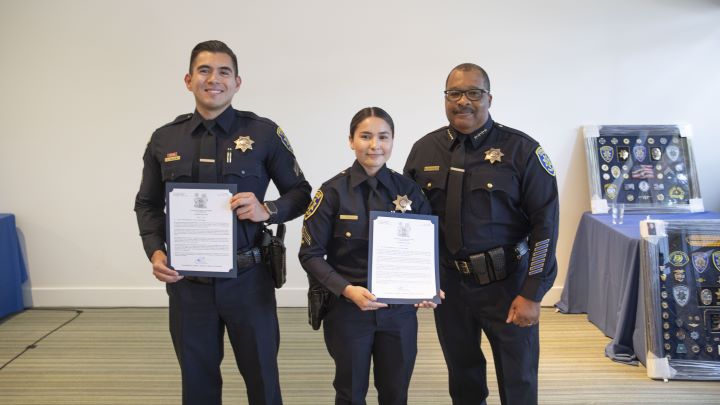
(337, 224)
(250, 151)
(509, 193)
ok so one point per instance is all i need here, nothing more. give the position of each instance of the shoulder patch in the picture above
(545, 161)
(285, 141)
(314, 204)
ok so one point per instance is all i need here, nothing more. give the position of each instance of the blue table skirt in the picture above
(12, 267)
(603, 280)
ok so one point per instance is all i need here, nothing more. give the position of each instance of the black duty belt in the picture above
(245, 259)
(487, 267)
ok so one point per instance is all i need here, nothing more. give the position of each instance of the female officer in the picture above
(357, 327)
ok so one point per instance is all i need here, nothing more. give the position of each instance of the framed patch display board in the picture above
(647, 168)
(680, 274)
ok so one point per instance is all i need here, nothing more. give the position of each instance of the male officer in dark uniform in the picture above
(495, 192)
(218, 144)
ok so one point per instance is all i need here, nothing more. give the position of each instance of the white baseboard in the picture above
(156, 297)
(131, 297)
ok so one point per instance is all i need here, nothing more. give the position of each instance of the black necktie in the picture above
(207, 172)
(453, 206)
(375, 201)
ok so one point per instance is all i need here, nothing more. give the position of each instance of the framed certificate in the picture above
(646, 168)
(403, 266)
(680, 277)
(201, 229)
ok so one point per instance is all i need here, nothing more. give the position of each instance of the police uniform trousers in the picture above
(387, 335)
(199, 315)
(469, 308)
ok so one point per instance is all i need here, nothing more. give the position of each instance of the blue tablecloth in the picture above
(603, 280)
(12, 267)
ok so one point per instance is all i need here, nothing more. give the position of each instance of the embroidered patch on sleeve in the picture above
(314, 204)
(545, 161)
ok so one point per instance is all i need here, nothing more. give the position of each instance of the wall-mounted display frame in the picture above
(680, 275)
(648, 168)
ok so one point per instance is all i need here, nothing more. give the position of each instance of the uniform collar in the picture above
(358, 175)
(223, 122)
(476, 137)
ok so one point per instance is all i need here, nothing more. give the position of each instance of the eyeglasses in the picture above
(472, 94)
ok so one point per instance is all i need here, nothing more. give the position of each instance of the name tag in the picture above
(349, 217)
(431, 168)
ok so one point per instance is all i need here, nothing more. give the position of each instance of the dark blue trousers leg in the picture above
(349, 337)
(248, 308)
(197, 335)
(394, 353)
(459, 336)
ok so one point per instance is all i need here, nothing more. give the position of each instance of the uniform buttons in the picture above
(429, 185)
(489, 185)
(242, 171)
(348, 234)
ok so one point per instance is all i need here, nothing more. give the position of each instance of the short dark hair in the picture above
(371, 112)
(213, 46)
(466, 67)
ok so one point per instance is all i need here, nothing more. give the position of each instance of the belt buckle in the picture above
(462, 267)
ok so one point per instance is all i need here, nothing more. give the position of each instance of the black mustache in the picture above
(464, 110)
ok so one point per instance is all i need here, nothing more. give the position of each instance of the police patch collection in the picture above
(647, 167)
(680, 265)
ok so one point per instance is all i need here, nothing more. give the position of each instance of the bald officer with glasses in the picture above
(495, 192)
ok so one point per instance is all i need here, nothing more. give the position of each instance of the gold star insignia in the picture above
(402, 203)
(494, 155)
(244, 143)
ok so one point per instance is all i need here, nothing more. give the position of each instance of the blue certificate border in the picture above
(434, 220)
(208, 186)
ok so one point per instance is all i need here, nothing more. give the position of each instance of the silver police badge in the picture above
(700, 261)
(681, 293)
(706, 296)
(607, 153)
(672, 152)
(640, 153)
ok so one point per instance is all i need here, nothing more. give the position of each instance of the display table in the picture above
(12, 268)
(603, 280)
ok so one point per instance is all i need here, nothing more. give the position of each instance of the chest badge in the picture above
(244, 143)
(494, 155)
(402, 203)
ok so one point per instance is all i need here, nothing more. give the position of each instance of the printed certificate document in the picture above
(403, 267)
(201, 229)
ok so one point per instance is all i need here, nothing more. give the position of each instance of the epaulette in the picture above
(179, 119)
(508, 129)
(343, 173)
(251, 115)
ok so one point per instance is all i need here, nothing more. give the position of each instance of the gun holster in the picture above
(318, 301)
(273, 253)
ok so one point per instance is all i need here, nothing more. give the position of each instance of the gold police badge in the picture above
(244, 143)
(494, 155)
(402, 203)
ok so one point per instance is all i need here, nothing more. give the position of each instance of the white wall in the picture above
(84, 83)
